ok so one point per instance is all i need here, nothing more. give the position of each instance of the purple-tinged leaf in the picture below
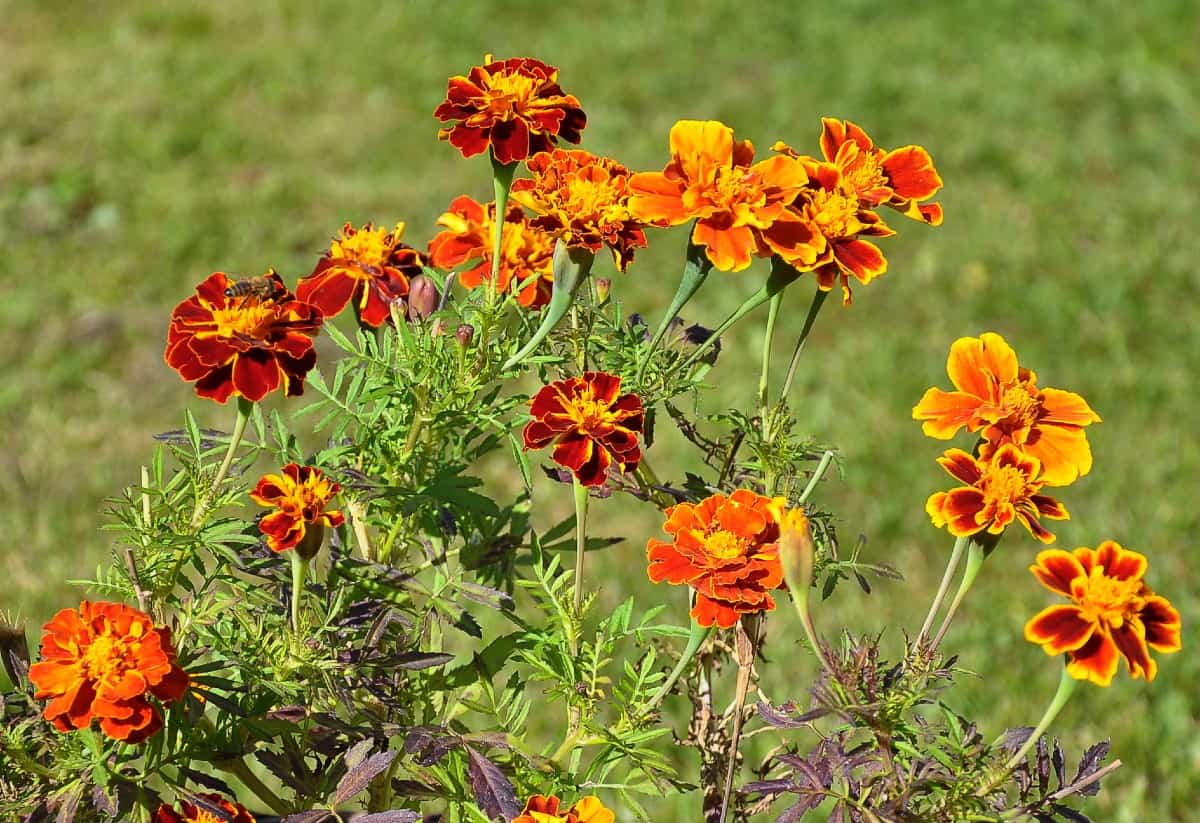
(493, 793)
(398, 816)
(429, 744)
(315, 816)
(1058, 762)
(415, 661)
(361, 775)
(1015, 738)
(1068, 813)
(1043, 765)
(67, 805)
(484, 595)
(213, 784)
(358, 753)
(768, 787)
(1090, 762)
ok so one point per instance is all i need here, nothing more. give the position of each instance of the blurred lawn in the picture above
(145, 145)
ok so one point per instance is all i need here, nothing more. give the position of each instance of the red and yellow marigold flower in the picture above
(995, 492)
(204, 811)
(900, 179)
(244, 345)
(583, 200)
(713, 180)
(727, 549)
(526, 256)
(369, 266)
(1113, 613)
(591, 424)
(300, 494)
(542, 809)
(1003, 403)
(513, 106)
(103, 662)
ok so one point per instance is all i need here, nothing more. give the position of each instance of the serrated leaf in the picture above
(494, 794)
(361, 775)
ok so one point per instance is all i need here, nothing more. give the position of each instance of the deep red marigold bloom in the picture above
(300, 493)
(242, 345)
(526, 256)
(1003, 402)
(515, 106)
(901, 178)
(727, 549)
(1113, 613)
(995, 492)
(103, 661)
(591, 424)
(369, 266)
(712, 179)
(203, 812)
(583, 200)
(542, 809)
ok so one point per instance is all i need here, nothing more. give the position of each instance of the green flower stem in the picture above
(502, 175)
(818, 473)
(764, 371)
(244, 407)
(695, 270)
(238, 768)
(648, 482)
(813, 310)
(1066, 687)
(695, 640)
(299, 573)
(796, 553)
(960, 545)
(581, 509)
(571, 268)
(975, 556)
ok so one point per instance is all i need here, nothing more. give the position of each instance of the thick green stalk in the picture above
(975, 556)
(581, 509)
(244, 408)
(813, 310)
(502, 175)
(695, 270)
(695, 640)
(571, 269)
(1066, 687)
(299, 573)
(960, 545)
(765, 369)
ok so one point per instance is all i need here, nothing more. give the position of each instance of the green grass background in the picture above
(144, 145)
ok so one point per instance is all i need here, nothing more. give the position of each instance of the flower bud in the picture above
(464, 335)
(423, 298)
(603, 286)
(310, 544)
(14, 652)
(796, 552)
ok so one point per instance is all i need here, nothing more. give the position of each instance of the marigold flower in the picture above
(526, 256)
(899, 179)
(710, 179)
(996, 491)
(102, 662)
(204, 812)
(515, 106)
(727, 549)
(542, 809)
(1112, 613)
(1003, 402)
(300, 493)
(583, 200)
(231, 342)
(369, 266)
(591, 424)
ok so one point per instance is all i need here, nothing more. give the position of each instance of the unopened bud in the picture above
(796, 552)
(14, 652)
(423, 298)
(464, 334)
(310, 544)
(603, 286)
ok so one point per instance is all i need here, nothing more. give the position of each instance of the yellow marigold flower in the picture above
(543, 809)
(1112, 614)
(300, 494)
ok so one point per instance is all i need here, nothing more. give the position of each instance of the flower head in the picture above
(583, 200)
(526, 256)
(103, 661)
(231, 342)
(300, 495)
(712, 179)
(1003, 402)
(591, 424)
(899, 179)
(207, 808)
(995, 492)
(369, 266)
(1113, 613)
(514, 106)
(542, 809)
(727, 549)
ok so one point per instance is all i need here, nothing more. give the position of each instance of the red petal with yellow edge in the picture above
(1049, 507)
(729, 249)
(701, 146)
(1066, 407)
(977, 365)
(1120, 562)
(605, 387)
(467, 140)
(961, 509)
(1096, 660)
(961, 466)
(255, 374)
(911, 172)
(1130, 638)
(330, 287)
(1059, 629)
(216, 385)
(860, 258)
(1162, 625)
(944, 413)
(510, 140)
(1028, 517)
(1063, 450)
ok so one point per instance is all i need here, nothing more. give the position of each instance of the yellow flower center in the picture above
(203, 816)
(835, 213)
(735, 190)
(1004, 485)
(724, 545)
(307, 500)
(1020, 403)
(508, 95)
(368, 247)
(245, 316)
(589, 414)
(1109, 599)
(106, 657)
(864, 173)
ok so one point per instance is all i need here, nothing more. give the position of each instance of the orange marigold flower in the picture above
(527, 253)
(102, 662)
(727, 549)
(542, 809)
(1003, 402)
(583, 200)
(300, 493)
(996, 492)
(208, 808)
(591, 424)
(1112, 613)
(369, 266)
(710, 179)
(515, 106)
(243, 338)
(900, 178)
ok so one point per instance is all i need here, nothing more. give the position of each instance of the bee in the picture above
(262, 288)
